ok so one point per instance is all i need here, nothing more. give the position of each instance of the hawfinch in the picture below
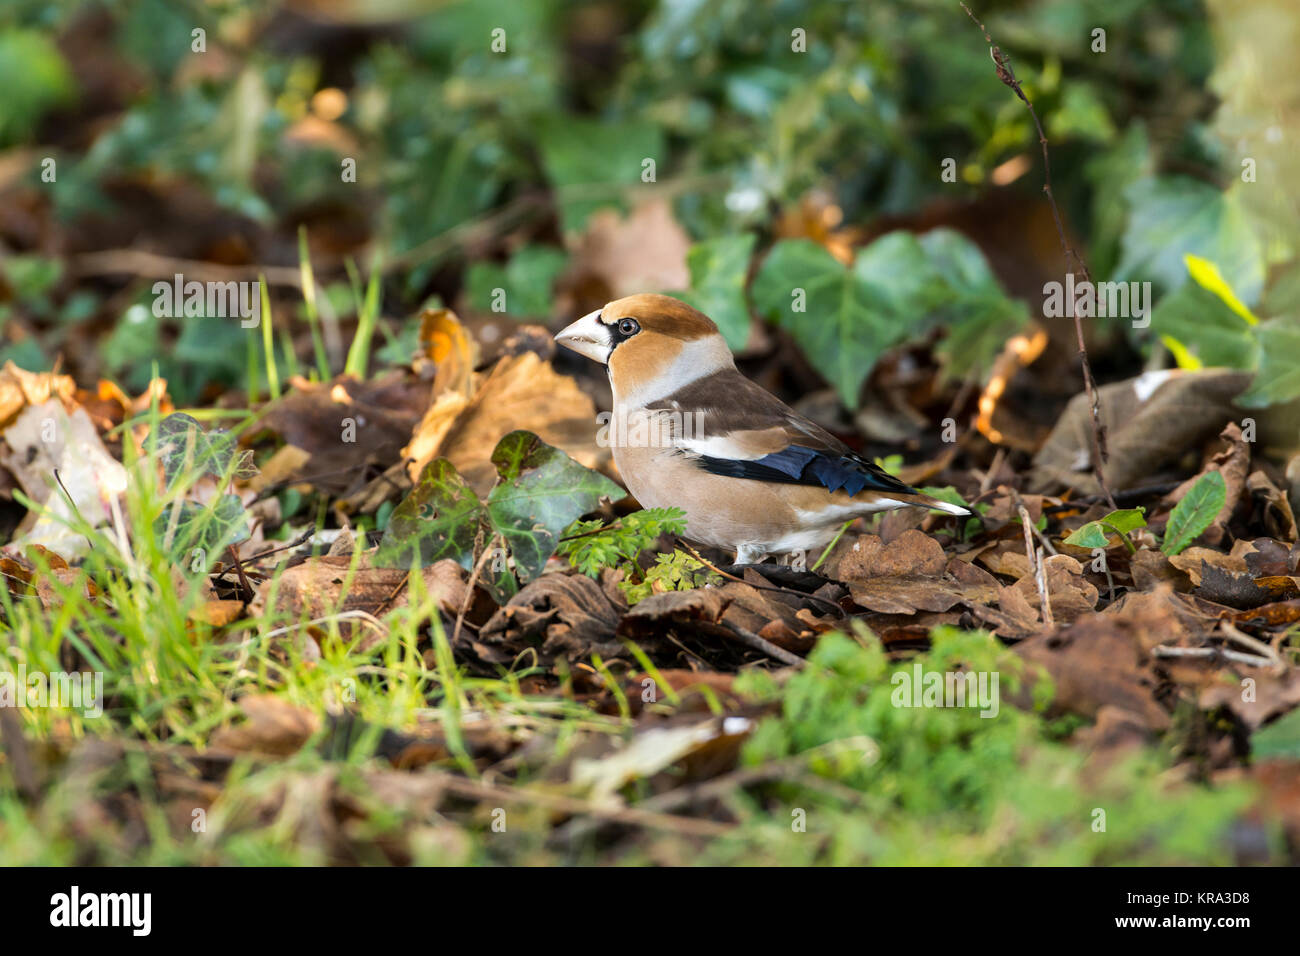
(689, 431)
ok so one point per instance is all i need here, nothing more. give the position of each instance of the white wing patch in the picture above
(718, 446)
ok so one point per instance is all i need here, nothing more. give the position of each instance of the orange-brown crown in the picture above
(661, 314)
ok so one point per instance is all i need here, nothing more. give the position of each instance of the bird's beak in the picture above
(588, 336)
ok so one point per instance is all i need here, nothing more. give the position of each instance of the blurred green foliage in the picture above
(945, 786)
(453, 109)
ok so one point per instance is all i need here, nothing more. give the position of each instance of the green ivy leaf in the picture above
(1202, 323)
(582, 156)
(184, 448)
(204, 531)
(848, 317)
(1278, 378)
(718, 269)
(1195, 512)
(542, 490)
(527, 280)
(977, 312)
(896, 287)
(1175, 215)
(441, 518)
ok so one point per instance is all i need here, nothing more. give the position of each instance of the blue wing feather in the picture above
(799, 465)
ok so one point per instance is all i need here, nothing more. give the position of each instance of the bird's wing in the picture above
(732, 427)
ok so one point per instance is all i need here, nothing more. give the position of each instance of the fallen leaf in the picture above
(45, 438)
(645, 250)
(350, 429)
(522, 392)
(272, 725)
(20, 389)
(1095, 662)
(911, 573)
(1232, 464)
(1150, 420)
(558, 616)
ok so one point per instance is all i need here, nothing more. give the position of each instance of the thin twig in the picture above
(1042, 538)
(1213, 653)
(1040, 579)
(468, 599)
(1008, 78)
(150, 265)
(763, 645)
(632, 816)
(1036, 564)
(1231, 632)
(356, 614)
(295, 543)
(73, 505)
(243, 578)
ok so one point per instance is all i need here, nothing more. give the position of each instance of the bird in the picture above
(690, 431)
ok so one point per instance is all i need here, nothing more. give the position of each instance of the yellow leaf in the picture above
(1184, 358)
(1207, 276)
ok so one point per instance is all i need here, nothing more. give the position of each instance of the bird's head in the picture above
(651, 344)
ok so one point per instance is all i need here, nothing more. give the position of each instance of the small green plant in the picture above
(1195, 512)
(1094, 533)
(940, 783)
(539, 492)
(678, 571)
(592, 546)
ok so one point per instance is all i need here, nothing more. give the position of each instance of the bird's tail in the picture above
(926, 501)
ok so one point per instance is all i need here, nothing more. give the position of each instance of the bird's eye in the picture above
(628, 327)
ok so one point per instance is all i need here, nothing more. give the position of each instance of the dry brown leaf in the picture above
(1068, 591)
(1149, 569)
(1279, 517)
(521, 391)
(567, 616)
(1095, 662)
(444, 341)
(1192, 560)
(1159, 617)
(1255, 696)
(20, 389)
(1150, 421)
(313, 590)
(271, 725)
(283, 466)
(349, 428)
(45, 438)
(217, 613)
(910, 574)
(645, 250)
